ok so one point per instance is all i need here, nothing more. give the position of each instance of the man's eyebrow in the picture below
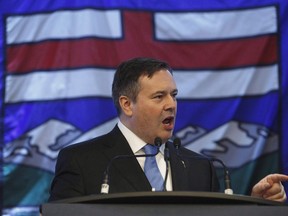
(165, 92)
(159, 92)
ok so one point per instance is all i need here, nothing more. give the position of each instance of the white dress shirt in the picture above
(137, 144)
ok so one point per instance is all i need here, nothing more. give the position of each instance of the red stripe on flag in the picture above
(138, 41)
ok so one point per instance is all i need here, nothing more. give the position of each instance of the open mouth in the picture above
(168, 121)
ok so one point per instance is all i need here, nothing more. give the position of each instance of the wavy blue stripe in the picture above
(85, 113)
(210, 114)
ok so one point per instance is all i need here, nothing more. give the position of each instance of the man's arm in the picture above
(67, 181)
(271, 188)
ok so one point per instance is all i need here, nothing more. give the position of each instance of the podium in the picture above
(164, 203)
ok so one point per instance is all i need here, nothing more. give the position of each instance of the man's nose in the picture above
(171, 103)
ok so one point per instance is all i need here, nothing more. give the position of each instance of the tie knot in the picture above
(150, 149)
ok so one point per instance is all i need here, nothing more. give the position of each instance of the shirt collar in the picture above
(136, 144)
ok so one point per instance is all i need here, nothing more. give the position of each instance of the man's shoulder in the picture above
(187, 153)
(183, 150)
(98, 142)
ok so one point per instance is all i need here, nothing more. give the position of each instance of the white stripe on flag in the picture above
(97, 82)
(168, 26)
(215, 25)
(59, 85)
(230, 83)
(64, 24)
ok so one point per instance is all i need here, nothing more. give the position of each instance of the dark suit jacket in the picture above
(80, 169)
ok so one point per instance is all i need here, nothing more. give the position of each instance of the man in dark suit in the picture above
(144, 94)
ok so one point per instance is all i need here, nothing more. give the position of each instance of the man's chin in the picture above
(165, 137)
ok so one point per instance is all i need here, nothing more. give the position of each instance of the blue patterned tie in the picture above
(151, 168)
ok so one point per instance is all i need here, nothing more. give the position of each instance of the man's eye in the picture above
(158, 96)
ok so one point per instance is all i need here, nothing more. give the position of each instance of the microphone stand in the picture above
(167, 161)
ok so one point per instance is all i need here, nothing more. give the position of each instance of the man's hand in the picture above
(271, 188)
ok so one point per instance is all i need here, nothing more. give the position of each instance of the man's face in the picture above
(153, 114)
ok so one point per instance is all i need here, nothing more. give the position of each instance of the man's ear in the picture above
(126, 105)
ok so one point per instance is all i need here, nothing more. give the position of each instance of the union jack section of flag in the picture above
(57, 66)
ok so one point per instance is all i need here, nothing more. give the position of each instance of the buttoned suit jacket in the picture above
(80, 169)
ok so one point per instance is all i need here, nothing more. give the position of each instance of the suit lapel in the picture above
(126, 168)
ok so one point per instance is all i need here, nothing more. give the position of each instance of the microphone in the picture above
(227, 180)
(105, 182)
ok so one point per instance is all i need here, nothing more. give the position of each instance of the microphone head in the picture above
(158, 142)
(177, 143)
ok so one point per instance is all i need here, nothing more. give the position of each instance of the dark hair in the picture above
(127, 74)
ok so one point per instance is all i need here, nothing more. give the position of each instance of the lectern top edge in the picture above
(172, 197)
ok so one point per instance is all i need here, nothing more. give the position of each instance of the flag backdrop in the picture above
(57, 64)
